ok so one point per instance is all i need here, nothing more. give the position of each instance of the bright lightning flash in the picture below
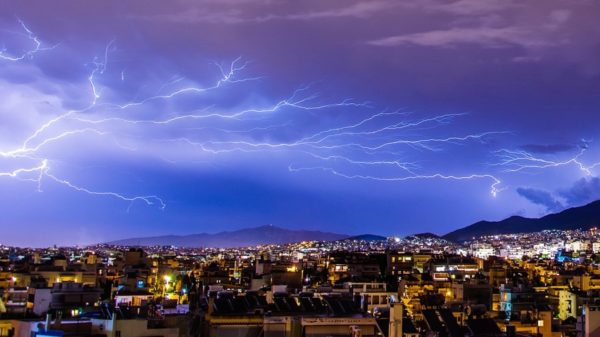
(370, 144)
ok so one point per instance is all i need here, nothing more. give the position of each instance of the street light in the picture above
(167, 279)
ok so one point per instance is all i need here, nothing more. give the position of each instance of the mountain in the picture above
(426, 236)
(583, 217)
(267, 234)
(367, 237)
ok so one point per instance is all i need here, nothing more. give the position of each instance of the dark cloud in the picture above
(487, 37)
(435, 57)
(540, 197)
(584, 190)
(242, 14)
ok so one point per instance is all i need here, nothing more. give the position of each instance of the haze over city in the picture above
(144, 118)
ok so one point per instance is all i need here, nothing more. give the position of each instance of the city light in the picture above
(262, 168)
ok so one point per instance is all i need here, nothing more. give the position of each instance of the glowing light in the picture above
(494, 189)
(371, 142)
(519, 160)
(99, 69)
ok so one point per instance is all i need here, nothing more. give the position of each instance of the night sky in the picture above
(127, 119)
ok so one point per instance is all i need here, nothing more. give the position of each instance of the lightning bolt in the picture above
(519, 160)
(229, 76)
(494, 189)
(99, 68)
(28, 151)
(341, 131)
(374, 141)
(27, 54)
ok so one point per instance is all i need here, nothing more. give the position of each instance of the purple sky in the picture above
(138, 118)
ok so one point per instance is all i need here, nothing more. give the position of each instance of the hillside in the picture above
(244, 237)
(583, 217)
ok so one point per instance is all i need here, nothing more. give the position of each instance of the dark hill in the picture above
(240, 238)
(367, 237)
(426, 236)
(583, 217)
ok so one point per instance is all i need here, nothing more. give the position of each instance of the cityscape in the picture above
(528, 284)
(314, 168)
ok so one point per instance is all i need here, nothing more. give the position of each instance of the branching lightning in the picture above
(27, 151)
(99, 67)
(519, 160)
(494, 189)
(370, 148)
(27, 54)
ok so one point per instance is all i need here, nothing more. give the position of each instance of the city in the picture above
(299, 168)
(534, 284)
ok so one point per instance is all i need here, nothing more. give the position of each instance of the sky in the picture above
(140, 118)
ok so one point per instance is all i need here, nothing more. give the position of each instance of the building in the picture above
(589, 322)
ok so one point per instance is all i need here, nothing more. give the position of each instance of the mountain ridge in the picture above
(252, 236)
(584, 217)
(366, 237)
